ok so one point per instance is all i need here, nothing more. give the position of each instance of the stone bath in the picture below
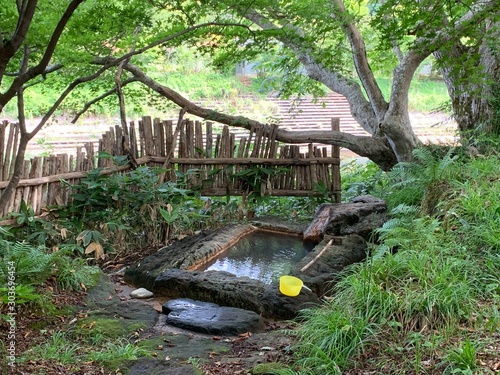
(172, 271)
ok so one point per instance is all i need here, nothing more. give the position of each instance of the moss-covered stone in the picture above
(183, 347)
(109, 327)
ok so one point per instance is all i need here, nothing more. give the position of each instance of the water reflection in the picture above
(261, 255)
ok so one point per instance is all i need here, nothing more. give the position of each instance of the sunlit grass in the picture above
(430, 281)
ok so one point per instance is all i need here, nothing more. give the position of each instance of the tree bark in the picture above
(474, 90)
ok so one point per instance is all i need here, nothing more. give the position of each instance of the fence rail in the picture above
(209, 157)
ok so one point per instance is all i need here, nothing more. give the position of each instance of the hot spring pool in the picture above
(261, 255)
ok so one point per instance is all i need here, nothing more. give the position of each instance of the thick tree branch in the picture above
(360, 59)
(361, 108)
(377, 149)
(478, 12)
(9, 48)
(42, 65)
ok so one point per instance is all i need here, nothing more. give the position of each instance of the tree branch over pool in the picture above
(376, 149)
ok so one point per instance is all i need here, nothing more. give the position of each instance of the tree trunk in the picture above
(474, 89)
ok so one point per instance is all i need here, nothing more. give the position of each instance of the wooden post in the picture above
(336, 183)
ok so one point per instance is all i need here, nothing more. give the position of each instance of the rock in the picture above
(210, 318)
(141, 293)
(321, 274)
(362, 216)
(225, 289)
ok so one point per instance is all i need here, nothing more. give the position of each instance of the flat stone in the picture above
(141, 293)
(226, 289)
(210, 318)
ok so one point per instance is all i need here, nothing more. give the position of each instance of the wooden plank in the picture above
(251, 136)
(209, 140)
(198, 143)
(232, 145)
(239, 192)
(90, 158)
(336, 181)
(158, 138)
(189, 139)
(258, 139)
(50, 189)
(3, 128)
(36, 172)
(169, 138)
(8, 152)
(118, 141)
(312, 170)
(45, 186)
(134, 147)
(161, 137)
(182, 152)
(273, 145)
(249, 161)
(148, 136)
(241, 147)
(26, 191)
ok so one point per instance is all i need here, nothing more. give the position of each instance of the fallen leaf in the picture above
(95, 247)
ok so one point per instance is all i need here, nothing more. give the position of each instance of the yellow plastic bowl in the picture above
(290, 285)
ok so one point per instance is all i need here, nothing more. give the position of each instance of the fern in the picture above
(33, 265)
(406, 228)
(423, 181)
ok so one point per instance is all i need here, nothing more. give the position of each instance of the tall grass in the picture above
(432, 278)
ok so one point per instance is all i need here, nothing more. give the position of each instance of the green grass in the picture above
(425, 95)
(426, 299)
(65, 349)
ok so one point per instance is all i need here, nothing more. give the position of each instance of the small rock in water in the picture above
(141, 293)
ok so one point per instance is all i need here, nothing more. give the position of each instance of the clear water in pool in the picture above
(261, 255)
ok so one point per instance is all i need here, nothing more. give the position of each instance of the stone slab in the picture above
(210, 318)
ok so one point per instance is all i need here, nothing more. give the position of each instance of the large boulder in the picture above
(362, 216)
(226, 289)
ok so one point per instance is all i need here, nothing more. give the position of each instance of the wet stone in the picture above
(141, 293)
(210, 318)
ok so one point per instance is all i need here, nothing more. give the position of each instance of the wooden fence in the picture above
(210, 158)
